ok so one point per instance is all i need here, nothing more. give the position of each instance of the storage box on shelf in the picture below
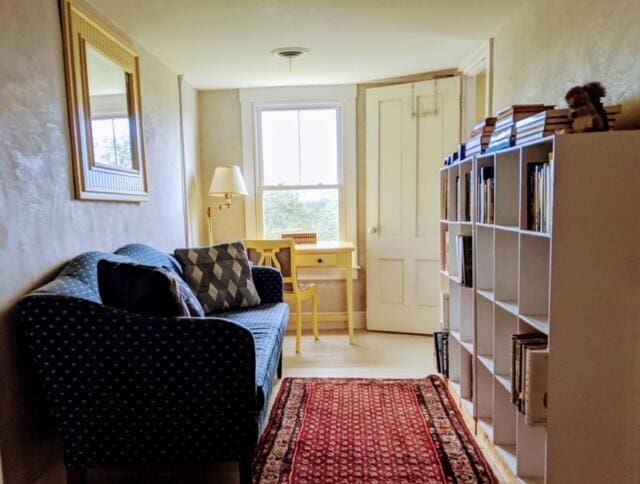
(556, 280)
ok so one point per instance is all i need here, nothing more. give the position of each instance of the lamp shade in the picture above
(227, 180)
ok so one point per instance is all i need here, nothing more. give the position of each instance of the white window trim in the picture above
(343, 97)
(478, 61)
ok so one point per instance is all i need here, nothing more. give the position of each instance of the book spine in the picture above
(458, 217)
(468, 261)
(514, 365)
(530, 196)
(467, 197)
(490, 205)
(445, 189)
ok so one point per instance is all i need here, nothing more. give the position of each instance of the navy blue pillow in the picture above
(154, 291)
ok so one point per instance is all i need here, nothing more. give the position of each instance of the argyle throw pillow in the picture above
(220, 276)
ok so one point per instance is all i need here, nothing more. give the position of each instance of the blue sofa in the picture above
(132, 390)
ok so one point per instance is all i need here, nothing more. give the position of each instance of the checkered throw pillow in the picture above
(220, 276)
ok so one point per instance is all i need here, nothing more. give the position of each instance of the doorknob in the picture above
(372, 230)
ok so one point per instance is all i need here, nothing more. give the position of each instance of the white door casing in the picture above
(410, 128)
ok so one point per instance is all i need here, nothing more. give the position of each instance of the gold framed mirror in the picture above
(105, 112)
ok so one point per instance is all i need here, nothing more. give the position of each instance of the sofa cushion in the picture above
(154, 291)
(268, 324)
(220, 276)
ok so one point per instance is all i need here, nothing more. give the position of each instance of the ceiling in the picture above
(227, 43)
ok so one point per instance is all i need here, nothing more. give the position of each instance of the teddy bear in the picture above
(586, 110)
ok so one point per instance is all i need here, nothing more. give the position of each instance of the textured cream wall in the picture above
(221, 144)
(42, 226)
(552, 45)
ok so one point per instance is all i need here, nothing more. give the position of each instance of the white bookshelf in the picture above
(577, 284)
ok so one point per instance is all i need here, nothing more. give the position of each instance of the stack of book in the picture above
(539, 193)
(441, 340)
(529, 356)
(542, 124)
(480, 136)
(551, 121)
(464, 251)
(485, 195)
(504, 134)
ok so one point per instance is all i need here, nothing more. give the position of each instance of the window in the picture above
(112, 141)
(299, 177)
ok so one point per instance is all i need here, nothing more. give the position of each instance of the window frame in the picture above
(261, 187)
(344, 95)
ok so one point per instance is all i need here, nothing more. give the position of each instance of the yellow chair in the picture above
(280, 254)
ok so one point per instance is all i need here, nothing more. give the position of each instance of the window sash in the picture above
(300, 107)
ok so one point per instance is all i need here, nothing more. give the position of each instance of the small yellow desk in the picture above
(331, 255)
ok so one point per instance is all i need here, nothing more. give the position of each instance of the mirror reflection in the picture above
(109, 107)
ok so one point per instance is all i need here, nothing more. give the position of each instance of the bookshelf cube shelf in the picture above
(507, 260)
(484, 410)
(556, 263)
(484, 265)
(507, 186)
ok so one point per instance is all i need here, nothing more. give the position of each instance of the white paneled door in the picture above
(410, 128)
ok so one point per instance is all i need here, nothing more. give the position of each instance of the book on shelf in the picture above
(486, 123)
(516, 112)
(542, 124)
(480, 136)
(444, 311)
(519, 344)
(464, 252)
(441, 354)
(467, 197)
(551, 121)
(535, 386)
(445, 196)
(485, 194)
(539, 192)
(458, 208)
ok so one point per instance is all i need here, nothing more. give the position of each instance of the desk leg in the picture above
(349, 282)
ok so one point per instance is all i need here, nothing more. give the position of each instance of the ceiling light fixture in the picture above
(290, 53)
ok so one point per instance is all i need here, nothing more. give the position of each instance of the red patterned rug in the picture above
(325, 431)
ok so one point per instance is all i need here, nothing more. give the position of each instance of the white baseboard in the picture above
(329, 320)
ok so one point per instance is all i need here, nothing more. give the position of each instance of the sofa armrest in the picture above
(269, 283)
(127, 389)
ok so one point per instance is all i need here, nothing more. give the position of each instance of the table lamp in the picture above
(226, 182)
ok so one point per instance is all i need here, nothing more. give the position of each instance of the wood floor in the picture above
(375, 355)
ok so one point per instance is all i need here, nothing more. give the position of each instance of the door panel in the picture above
(392, 285)
(410, 127)
(390, 180)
